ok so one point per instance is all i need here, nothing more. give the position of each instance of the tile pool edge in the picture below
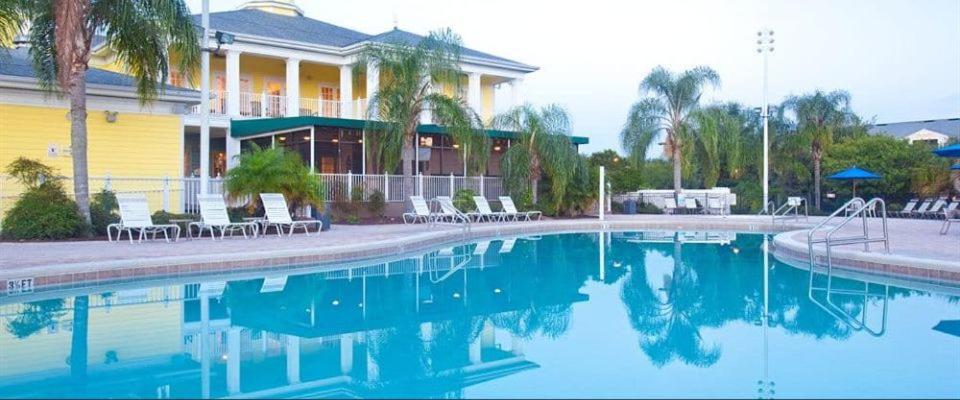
(81, 273)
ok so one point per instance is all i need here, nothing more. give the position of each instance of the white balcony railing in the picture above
(260, 105)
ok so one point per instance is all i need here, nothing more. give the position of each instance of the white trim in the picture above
(274, 133)
(129, 92)
(39, 98)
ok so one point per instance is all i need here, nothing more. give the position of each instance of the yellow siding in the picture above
(136, 145)
(135, 331)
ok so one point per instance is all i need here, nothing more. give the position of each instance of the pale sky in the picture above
(900, 60)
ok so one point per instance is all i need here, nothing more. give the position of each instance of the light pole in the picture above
(205, 100)
(765, 47)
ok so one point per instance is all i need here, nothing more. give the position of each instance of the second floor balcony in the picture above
(264, 105)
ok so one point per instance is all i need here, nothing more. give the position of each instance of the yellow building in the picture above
(280, 66)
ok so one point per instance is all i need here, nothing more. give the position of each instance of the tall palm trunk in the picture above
(677, 169)
(78, 144)
(817, 156)
(406, 156)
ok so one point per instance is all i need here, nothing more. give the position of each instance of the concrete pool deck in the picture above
(59, 264)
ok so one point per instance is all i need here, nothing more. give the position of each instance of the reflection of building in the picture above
(345, 332)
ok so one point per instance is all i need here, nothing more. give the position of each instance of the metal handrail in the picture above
(843, 316)
(817, 227)
(865, 239)
(464, 219)
(769, 206)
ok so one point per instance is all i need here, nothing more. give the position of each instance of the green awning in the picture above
(251, 127)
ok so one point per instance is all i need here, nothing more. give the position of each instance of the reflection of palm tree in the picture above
(668, 322)
(34, 317)
(78, 343)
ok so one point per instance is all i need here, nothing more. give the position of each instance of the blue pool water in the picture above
(634, 314)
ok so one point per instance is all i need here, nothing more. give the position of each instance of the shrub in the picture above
(31, 173)
(103, 211)
(377, 203)
(274, 171)
(463, 200)
(163, 217)
(44, 212)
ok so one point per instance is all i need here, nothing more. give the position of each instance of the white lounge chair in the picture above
(213, 214)
(920, 210)
(449, 212)
(506, 202)
(507, 246)
(484, 211)
(690, 205)
(907, 209)
(669, 205)
(421, 211)
(949, 217)
(714, 206)
(135, 216)
(935, 210)
(277, 215)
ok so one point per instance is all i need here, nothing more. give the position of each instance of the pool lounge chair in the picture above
(920, 210)
(277, 215)
(421, 212)
(135, 216)
(949, 217)
(213, 214)
(485, 212)
(935, 210)
(450, 213)
(907, 209)
(506, 202)
(690, 205)
(670, 205)
(714, 206)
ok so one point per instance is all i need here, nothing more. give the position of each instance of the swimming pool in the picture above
(621, 314)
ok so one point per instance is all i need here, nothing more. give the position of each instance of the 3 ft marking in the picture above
(21, 285)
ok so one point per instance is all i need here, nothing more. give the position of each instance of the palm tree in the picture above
(542, 148)
(719, 138)
(670, 100)
(821, 119)
(142, 33)
(410, 72)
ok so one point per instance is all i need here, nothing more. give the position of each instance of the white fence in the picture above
(179, 194)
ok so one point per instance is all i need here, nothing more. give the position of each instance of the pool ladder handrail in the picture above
(842, 315)
(769, 206)
(863, 210)
(783, 213)
(464, 219)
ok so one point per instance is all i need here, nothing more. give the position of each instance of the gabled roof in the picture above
(948, 126)
(396, 35)
(297, 28)
(292, 28)
(17, 63)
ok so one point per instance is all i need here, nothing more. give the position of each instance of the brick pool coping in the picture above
(364, 245)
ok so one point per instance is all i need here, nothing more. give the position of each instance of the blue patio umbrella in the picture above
(854, 174)
(952, 151)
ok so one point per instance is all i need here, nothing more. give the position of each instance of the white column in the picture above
(293, 359)
(474, 96)
(233, 360)
(233, 83)
(233, 150)
(346, 354)
(205, 104)
(293, 87)
(475, 352)
(516, 346)
(516, 92)
(346, 91)
(373, 85)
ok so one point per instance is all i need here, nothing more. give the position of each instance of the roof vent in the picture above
(280, 7)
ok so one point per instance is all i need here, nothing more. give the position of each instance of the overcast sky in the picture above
(900, 60)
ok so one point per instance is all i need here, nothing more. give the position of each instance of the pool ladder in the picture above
(853, 209)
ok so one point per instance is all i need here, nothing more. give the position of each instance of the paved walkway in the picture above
(73, 262)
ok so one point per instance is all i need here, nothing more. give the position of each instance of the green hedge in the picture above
(44, 212)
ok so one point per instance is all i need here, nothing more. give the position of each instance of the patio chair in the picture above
(920, 210)
(690, 205)
(213, 214)
(949, 209)
(506, 202)
(670, 205)
(277, 215)
(714, 206)
(935, 210)
(949, 217)
(135, 216)
(484, 211)
(907, 209)
(421, 211)
(448, 212)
